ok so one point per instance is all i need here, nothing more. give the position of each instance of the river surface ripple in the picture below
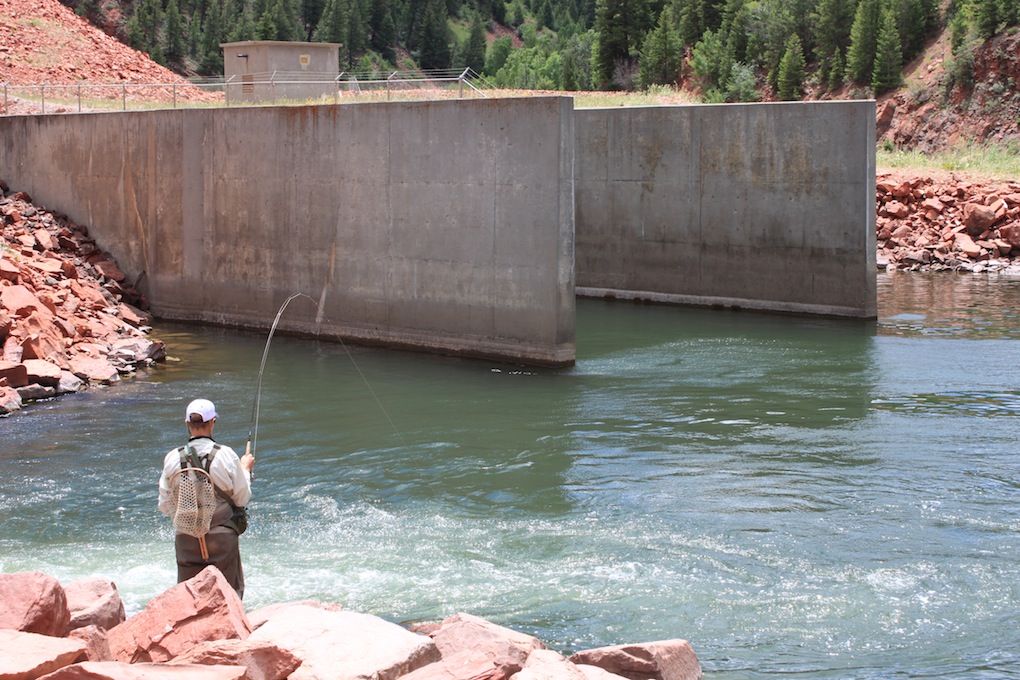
(798, 497)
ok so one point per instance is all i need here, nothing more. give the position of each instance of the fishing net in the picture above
(194, 497)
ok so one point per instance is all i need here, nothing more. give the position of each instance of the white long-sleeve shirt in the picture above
(226, 473)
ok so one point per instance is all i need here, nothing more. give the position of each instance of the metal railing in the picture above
(277, 87)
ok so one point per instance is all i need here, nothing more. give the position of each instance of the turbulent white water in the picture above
(821, 499)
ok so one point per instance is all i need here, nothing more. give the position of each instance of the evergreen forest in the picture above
(732, 50)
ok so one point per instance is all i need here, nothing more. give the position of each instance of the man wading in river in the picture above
(204, 489)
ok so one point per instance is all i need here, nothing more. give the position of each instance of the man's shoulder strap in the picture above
(190, 459)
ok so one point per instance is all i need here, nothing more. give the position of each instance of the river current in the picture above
(797, 497)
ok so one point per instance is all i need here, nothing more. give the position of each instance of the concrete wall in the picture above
(438, 225)
(766, 206)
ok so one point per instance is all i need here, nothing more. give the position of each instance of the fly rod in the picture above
(253, 425)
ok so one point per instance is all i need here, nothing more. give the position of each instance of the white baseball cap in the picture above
(202, 407)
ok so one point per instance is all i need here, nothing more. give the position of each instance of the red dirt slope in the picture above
(42, 41)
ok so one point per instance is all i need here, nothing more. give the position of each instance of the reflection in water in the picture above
(809, 497)
(944, 304)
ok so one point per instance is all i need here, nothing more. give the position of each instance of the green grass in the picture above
(998, 161)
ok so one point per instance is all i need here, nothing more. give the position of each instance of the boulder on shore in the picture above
(203, 608)
(33, 602)
(198, 630)
(346, 645)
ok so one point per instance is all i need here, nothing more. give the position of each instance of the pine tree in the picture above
(661, 58)
(175, 45)
(384, 30)
(837, 71)
(213, 33)
(434, 48)
(311, 13)
(244, 26)
(474, 52)
(333, 22)
(860, 59)
(143, 29)
(831, 22)
(986, 17)
(355, 41)
(791, 70)
(888, 69)
(711, 62)
(620, 26)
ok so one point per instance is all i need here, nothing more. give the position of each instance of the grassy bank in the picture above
(994, 161)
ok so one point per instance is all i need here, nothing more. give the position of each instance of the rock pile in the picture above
(67, 314)
(930, 224)
(199, 629)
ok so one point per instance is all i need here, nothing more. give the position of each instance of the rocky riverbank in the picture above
(947, 221)
(69, 320)
(199, 630)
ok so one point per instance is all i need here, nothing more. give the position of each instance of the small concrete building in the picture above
(275, 70)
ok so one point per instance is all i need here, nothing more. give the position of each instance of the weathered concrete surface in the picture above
(766, 206)
(445, 226)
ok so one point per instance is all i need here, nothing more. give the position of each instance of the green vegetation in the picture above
(736, 49)
(998, 161)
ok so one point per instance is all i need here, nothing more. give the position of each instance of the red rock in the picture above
(1011, 234)
(896, 209)
(885, 114)
(114, 670)
(10, 400)
(346, 645)
(88, 295)
(20, 301)
(42, 373)
(33, 602)
(662, 660)
(94, 370)
(259, 616)
(93, 601)
(200, 609)
(44, 239)
(9, 271)
(97, 647)
(902, 232)
(109, 269)
(977, 218)
(43, 339)
(506, 648)
(965, 244)
(902, 190)
(26, 656)
(14, 374)
(596, 673)
(264, 661)
(933, 204)
(133, 316)
(545, 664)
(464, 665)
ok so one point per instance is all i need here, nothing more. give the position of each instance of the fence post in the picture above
(5, 97)
(175, 95)
(123, 96)
(79, 97)
(42, 93)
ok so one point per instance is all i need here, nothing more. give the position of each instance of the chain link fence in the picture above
(269, 89)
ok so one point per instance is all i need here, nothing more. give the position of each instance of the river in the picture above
(797, 497)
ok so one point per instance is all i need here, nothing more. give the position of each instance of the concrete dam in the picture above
(466, 227)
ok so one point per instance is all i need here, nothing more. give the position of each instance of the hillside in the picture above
(42, 41)
(927, 114)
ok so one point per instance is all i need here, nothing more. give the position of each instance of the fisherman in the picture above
(231, 477)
